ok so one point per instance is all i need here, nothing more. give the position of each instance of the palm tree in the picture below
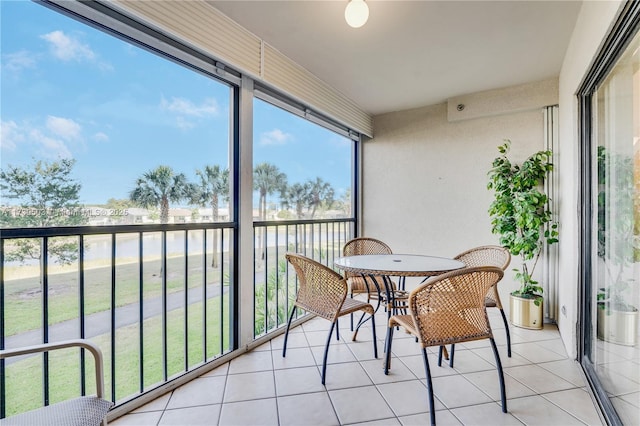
(267, 179)
(158, 187)
(321, 192)
(298, 196)
(214, 183)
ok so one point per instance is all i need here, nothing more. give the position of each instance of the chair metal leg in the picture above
(442, 352)
(326, 352)
(453, 351)
(503, 395)
(506, 329)
(337, 329)
(375, 341)
(351, 314)
(286, 333)
(387, 362)
(432, 411)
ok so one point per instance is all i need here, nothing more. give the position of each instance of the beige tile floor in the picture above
(543, 386)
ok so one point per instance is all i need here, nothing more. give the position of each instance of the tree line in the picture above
(161, 186)
(49, 195)
(48, 186)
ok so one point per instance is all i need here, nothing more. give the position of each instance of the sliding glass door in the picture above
(611, 240)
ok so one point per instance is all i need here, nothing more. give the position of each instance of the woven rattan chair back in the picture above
(487, 256)
(321, 290)
(364, 245)
(450, 308)
(490, 256)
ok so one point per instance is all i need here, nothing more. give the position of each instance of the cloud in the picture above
(101, 137)
(275, 137)
(50, 147)
(48, 140)
(66, 48)
(19, 60)
(184, 124)
(181, 106)
(64, 127)
(10, 135)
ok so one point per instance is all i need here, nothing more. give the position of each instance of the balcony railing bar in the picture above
(165, 357)
(221, 293)
(312, 238)
(186, 301)
(204, 296)
(264, 223)
(264, 252)
(66, 231)
(81, 311)
(141, 308)
(44, 277)
(113, 317)
(286, 278)
(3, 401)
(277, 268)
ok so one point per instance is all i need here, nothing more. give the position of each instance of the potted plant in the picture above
(521, 217)
(617, 320)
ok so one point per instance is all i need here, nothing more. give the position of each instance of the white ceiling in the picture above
(415, 53)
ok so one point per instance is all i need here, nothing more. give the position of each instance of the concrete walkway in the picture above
(100, 322)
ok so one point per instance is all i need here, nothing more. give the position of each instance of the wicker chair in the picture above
(323, 292)
(490, 256)
(448, 309)
(357, 283)
(82, 411)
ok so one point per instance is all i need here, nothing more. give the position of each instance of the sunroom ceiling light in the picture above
(356, 13)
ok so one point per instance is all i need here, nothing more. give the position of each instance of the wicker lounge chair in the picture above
(448, 309)
(82, 411)
(323, 292)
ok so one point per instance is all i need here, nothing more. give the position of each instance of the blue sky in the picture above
(69, 90)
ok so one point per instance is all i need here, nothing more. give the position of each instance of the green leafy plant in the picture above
(617, 243)
(520, 214)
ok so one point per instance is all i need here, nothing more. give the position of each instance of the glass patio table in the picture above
(393, 265)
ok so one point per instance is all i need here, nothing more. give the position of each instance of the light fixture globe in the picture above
(356, 13)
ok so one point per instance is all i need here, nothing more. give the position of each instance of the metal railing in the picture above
(157, 299)
(274, 283)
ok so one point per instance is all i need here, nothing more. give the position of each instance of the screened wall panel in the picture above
(203, 26)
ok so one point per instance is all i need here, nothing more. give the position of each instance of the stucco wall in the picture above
(425, 177)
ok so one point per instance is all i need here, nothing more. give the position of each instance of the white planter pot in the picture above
(619, 327)
(524, 313)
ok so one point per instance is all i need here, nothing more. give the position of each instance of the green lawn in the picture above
(23, 312)
(23, 297)
(24, 378)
